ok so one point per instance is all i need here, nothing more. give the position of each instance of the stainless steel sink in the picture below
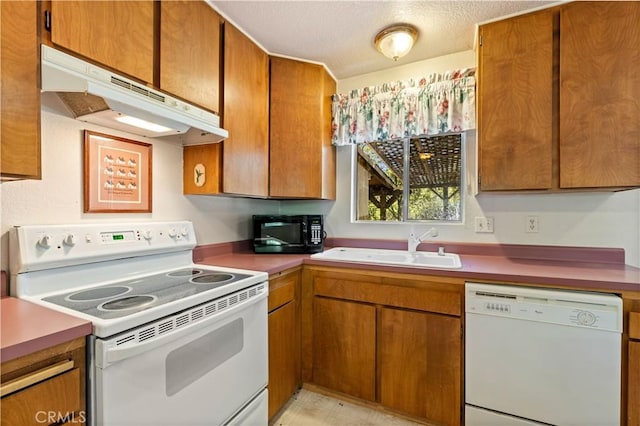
(421, 259)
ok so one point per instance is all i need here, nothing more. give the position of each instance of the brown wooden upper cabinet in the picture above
(600, 94)
(190, 52)
(558, 99)
(118, 34)
(302, 160)
(20, 90)
(246, 116)
(240, 164)
(515, 103)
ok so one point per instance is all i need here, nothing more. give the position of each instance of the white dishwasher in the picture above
(537, 356)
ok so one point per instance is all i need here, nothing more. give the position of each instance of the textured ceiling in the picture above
(340, 34)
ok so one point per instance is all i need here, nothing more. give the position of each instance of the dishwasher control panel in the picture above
(570, 308)
(498, 307)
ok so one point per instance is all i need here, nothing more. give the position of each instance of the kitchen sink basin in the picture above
(420, 259)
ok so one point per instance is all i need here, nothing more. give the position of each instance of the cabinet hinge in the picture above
(47, 20)
(480, 38)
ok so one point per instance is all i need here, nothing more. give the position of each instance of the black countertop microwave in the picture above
(288, 234)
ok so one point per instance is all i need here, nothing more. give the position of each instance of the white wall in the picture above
(58, 197)
(578, 219)
(602, 219)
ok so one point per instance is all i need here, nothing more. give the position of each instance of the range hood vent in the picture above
(95, 95)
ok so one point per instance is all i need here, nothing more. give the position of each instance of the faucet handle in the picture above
(433, 232)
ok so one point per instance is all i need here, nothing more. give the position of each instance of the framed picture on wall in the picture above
(117, 174)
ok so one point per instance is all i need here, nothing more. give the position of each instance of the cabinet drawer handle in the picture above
(35, 377)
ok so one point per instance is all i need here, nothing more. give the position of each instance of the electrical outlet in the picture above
(484, 225)
(532, 225)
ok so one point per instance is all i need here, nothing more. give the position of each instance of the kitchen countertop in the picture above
(578, 267)
(27, 328)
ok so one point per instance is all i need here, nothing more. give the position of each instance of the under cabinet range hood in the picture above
(96, 95)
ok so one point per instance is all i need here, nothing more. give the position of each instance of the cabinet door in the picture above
(284, 356)
(284, 339)
(599, 94)
(633, 392)
(246, 116)
(201, 165)
(20, 93)
(420, 365)
(118, 34)
(190, 59)
(515, 112)
(344, 342)
(302, 162)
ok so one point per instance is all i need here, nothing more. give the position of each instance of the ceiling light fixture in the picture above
(396, 41)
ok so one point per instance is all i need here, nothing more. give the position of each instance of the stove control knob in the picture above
(184, 231)
(69, 240)
(173, 233)
(45, 241)
(147, 235)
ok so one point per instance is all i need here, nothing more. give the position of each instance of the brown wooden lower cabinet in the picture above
(284, 338)
(392, 340)
(633, 390)
(284, 376)
(420, 357)
(344, 347)
(46, 387)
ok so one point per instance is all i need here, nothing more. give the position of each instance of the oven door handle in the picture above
(107, 354)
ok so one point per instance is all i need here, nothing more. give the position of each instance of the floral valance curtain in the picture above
(442, 103)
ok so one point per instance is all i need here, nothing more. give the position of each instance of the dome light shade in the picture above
(396, 41)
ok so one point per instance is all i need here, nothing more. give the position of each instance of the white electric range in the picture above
(168, 335)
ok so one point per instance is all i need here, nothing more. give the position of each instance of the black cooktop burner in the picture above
(128, 302)
(126, 297)
(98, 293)
(215, 278)
(185, 272)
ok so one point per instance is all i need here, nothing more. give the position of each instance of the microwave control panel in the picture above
(316, 232)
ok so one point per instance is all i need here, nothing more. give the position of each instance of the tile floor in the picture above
(308, 408)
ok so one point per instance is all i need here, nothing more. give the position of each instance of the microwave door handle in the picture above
(112, 355)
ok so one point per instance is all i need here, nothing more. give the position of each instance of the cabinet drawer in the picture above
(425, 296)
(58, 397)
(282, 290)
(634, 325)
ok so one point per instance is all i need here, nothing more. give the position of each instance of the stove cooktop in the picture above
(126, 297)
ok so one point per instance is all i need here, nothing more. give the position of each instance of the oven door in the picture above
(201, 372)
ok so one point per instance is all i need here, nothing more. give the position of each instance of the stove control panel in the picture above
(119, 237)
(35, 247)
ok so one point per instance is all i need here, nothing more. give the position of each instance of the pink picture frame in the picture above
(117, 174)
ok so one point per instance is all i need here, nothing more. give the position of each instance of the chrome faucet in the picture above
(414, 241)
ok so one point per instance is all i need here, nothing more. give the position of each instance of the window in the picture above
(409, 179)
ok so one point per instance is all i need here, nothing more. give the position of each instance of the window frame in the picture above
(406, 187)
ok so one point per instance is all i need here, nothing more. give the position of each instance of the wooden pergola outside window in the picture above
(434, 178)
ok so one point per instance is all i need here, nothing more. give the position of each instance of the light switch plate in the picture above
(484, 225)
